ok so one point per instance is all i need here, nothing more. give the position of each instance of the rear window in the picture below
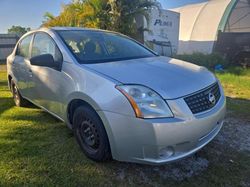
(99, 47)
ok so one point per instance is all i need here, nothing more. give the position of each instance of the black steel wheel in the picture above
(90, 134)
(18, 99)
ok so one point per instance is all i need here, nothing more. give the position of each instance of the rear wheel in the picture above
(90, 134)
(18, 99)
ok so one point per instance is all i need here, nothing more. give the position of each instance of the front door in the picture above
(47, 82)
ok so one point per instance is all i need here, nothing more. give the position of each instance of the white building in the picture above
(7, 44)
(201, 23)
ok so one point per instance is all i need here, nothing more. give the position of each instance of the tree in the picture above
(48, 16)
(116, 15)
(18, 30)
(125, 13)
(81, 13)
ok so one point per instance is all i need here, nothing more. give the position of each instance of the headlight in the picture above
(145, 102)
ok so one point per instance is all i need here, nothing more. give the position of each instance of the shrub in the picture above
(207, 60)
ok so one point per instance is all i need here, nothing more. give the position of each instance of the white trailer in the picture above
(161, 31)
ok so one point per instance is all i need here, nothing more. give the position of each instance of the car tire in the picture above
(18, 99)
(91, 134)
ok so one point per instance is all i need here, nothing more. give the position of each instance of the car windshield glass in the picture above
(98, 46)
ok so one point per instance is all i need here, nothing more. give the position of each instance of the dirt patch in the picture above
(235, 134)
(177, 171)
(185, 168)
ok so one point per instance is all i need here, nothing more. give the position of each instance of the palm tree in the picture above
(66, 18)
(48, 16)
(81, 13)
(116, 15)
(125, 13)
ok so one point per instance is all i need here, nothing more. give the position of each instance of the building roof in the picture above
(8, 35)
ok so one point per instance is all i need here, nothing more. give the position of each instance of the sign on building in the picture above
(162, 33)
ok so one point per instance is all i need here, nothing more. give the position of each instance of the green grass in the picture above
(38, 150)
(236, 83)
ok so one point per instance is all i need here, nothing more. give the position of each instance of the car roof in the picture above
(48, 29)
(75, 28)
(72, 29)
(80, 29)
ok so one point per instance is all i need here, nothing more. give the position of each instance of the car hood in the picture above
(171, 78)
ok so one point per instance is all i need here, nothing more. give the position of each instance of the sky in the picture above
(29, 13)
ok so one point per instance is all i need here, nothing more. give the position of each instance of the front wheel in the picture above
(90, 134)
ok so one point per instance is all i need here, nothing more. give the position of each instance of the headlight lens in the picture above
(145, 102)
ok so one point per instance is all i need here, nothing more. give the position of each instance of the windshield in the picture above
(99, 47)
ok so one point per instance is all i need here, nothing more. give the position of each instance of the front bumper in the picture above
(143, 141)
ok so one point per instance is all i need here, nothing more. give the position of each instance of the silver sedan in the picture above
(121, 99)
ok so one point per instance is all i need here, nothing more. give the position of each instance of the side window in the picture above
(44, 44)
(24, 46)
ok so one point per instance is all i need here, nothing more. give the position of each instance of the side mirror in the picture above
(45, 60)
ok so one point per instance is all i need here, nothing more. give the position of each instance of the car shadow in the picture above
(4, 84)
(6, 104)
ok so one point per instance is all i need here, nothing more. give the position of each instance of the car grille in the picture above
(204, 99)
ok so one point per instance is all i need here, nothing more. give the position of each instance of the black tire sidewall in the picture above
(17, 94)
(103, 151)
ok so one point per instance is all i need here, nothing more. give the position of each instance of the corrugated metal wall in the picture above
(7, 43)
(233, 45)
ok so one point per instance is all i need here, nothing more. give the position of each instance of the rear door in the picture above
(21, 65)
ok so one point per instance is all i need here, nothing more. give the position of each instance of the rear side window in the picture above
(24, 46)
(44, 44)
